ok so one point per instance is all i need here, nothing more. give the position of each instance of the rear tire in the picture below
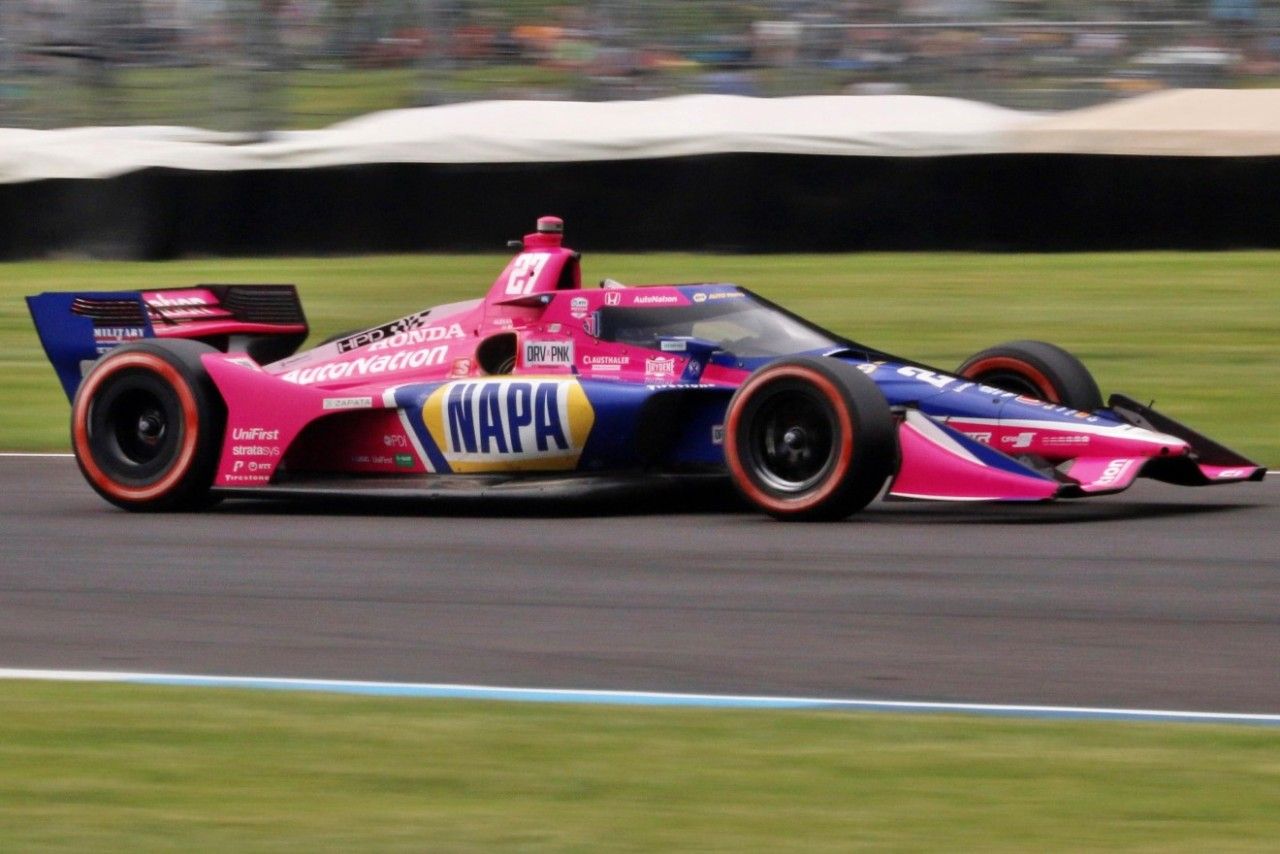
(810, 439)
(1036, 369)
(147, 426)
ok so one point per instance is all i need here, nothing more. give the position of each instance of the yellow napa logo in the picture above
(529, 424)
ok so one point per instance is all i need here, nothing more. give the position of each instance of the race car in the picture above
(182, 397)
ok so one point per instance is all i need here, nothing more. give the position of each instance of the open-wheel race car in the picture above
(185, 396)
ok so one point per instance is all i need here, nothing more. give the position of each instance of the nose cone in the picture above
(1167, 446)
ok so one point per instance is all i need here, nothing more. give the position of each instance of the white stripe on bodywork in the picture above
(389, 401)
(413, 439)
(935, 434)
(1121, 431)
(956, 498)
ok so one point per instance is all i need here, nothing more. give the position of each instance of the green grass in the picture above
(129, 768)
(1197, 332)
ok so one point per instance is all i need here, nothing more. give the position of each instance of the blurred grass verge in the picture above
(1197, 332)
(108, 767)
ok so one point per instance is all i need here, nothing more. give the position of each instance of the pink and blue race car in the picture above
(183, 397)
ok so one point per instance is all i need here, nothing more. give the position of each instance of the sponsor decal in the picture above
(933, 379)
(553, 328)
(1113, 472)
(106, 337)
(183, 307)
(251, 465)
(661, 386)
(1064, 440)
(699, 297)
(869, 368)
(1019, 440)
(395, 440)
(254, 451)
(192, 313)
(371, 459)
(348, 403)
(368, 366)
(162, 301)
(404, 461)
(725, 295)
(612, 298)
(606, 363)
(654, 299)
(392, 338)
(589, 326)
(578, 307)
(246, 478)
(543, 354)
(660, 369)
(983, 437)
(461, 368)
(246, 363)
(368, 336)
(1226, 473)
(255, 434)
(717, 434)
(674, 346)
(508, 424)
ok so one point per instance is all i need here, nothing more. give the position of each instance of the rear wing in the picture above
(77, 328)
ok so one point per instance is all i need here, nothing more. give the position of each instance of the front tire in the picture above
(1036, 369)
(810, 439)
(147, 426)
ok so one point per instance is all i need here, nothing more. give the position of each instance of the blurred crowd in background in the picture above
(259, 65)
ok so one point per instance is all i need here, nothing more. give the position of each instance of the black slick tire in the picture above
(147, 426)
(810, 439)
(1036, 369)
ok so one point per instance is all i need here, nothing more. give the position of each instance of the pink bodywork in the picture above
(270, 406)
(348, 387)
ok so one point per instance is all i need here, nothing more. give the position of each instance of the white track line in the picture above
(32, 455)
(637, 698)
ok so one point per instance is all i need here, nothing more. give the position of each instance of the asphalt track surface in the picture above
(1161, 597)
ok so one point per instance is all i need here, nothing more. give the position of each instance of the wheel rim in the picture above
(139, 425)
(792, 441)
(135, 427)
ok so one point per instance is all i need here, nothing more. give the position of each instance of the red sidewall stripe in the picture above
(80, 426)
(1019, 367)
(747, 484)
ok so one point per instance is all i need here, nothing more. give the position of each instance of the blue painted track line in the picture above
(426, 690)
